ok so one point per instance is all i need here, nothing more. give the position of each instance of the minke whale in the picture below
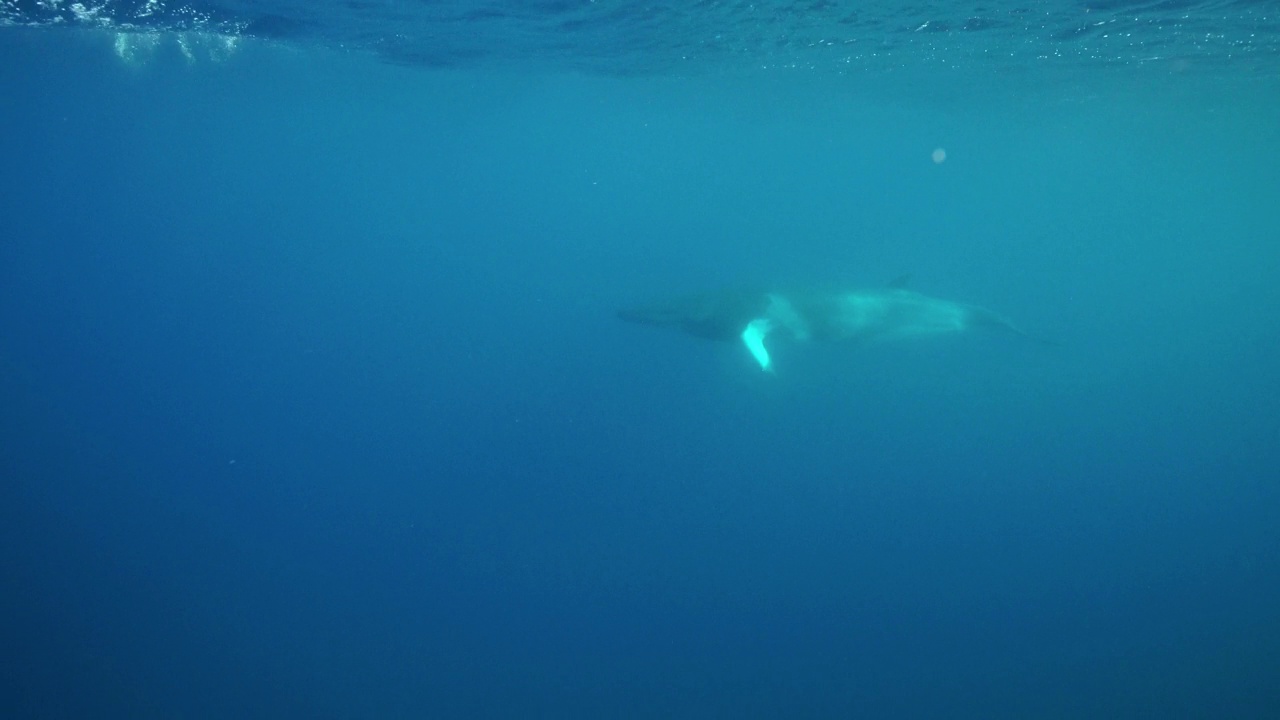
(860, 316)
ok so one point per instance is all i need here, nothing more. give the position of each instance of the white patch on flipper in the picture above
(753, 337)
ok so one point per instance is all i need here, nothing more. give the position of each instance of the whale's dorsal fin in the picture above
(753, 337)
(900, 282)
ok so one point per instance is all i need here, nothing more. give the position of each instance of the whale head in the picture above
(715, 316)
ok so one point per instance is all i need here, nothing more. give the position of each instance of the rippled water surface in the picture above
(629, 36)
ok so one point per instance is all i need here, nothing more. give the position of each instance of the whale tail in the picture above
(983, 318)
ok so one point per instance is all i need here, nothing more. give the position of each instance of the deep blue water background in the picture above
(313, 404)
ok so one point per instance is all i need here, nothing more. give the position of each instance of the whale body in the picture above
(861, 316)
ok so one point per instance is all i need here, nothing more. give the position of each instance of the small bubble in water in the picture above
(939, 156)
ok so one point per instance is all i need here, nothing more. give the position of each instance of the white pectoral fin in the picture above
(753, 337)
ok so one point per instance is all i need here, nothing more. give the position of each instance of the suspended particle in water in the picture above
(939, 156)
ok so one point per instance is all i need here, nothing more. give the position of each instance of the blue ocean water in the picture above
(314, 402)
